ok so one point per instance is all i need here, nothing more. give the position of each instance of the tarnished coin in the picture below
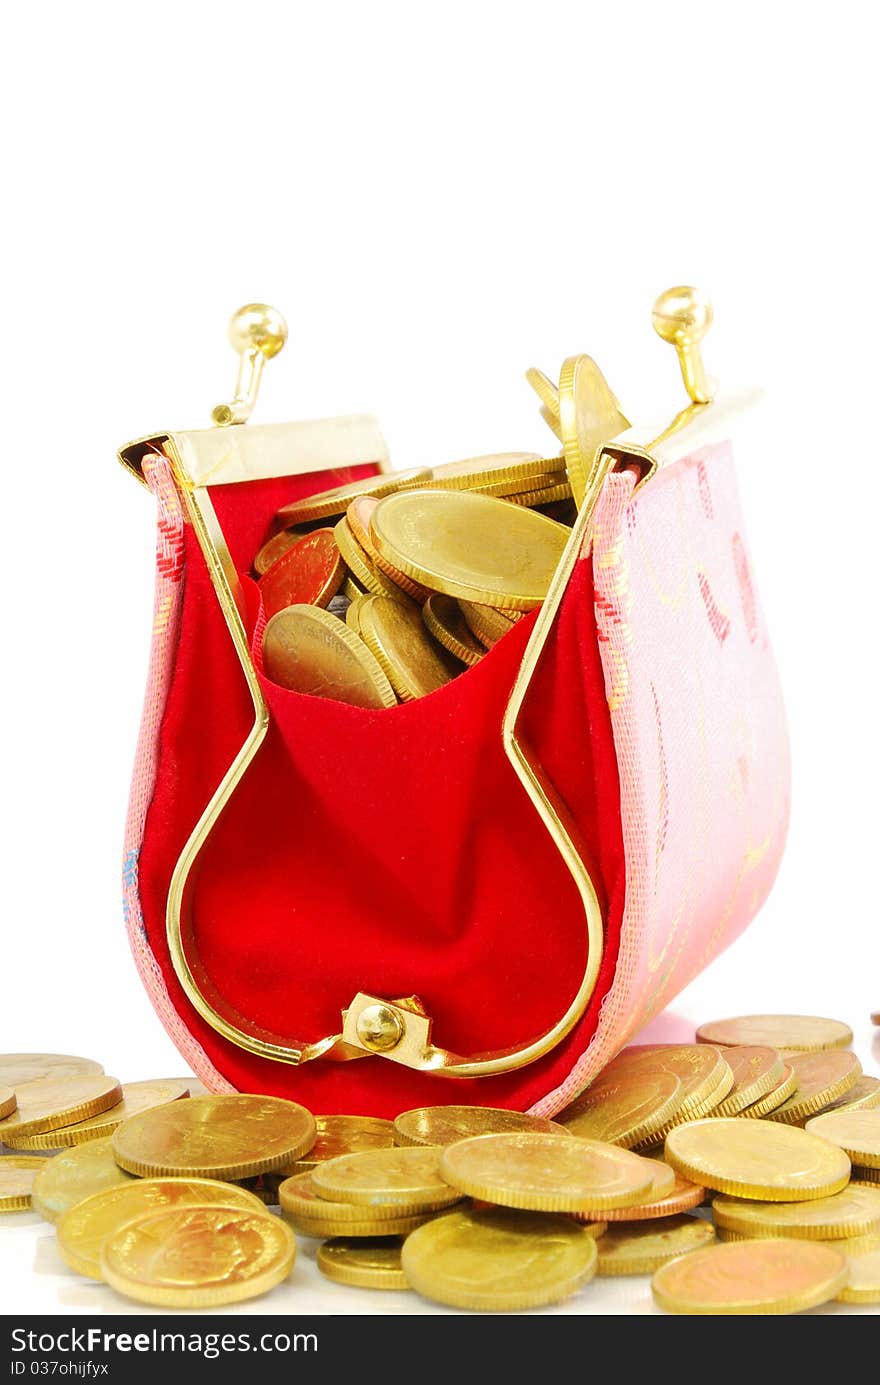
(756, 1072)
(633, 1249)
(336, 501)
(445, 1125)
(863, 1280)
(393, 631)
(786, 1087)
(705, 1074)
(17, 1174)
(821, 1078)
(50, 1102)
(547, 1173)
(73, 1175)
(309, 651)
(500, 474)
(409, 1178)
(275, 548)
(589, 415)
(136, 1096)
(357, 517)
(856, 1132)
(372, 1263)
(309, 573)
(487, 624)
(345, 1135)
(786, 1033)
(445, 620)
(853, 1212)
(198, 1257)
(683, 1196)
(626, 1110)
(864, 1096)
(230, 1136)
(749, 1277)
(496, 1261)
(83, 1228)
(8, 1102)
(756, 1159)
(470, 545)
(19, 1068)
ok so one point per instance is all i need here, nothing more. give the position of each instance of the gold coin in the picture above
(750, 1277)
(549, 396)
(50, 1102)
(626, 1110)
(198, 1257)
(786, 1033)
(705, 1074)
(230, 1136)
(8, 1102)
(445, 620)
(337, 500)
(394, 632)
(310, 651)
(775, 1097)
(683, 1196)
(663, 1180)
(136, 1096)
(487, 624)
(74, 1175)
(822, 1077)
(547, 1173)
(757, 1070)
(19, 1068)
(543, 495)
(756, 1159)
(627, 1249)
(345, 1135)
(83, 1228)
(314, 1215)
(410, 1179)
(320, 1228)
(501, 473)
(445, 1125)
(589, 415)
(275, 548)
(864, 1096)
(857, 1132)
(352, 615)
(865, 1174)
(863, 1262)
(17, 1174)
(853, 1212)
(357, 518)
(470, 545)
(372, 1263)
(494, 1260)
(359, 563)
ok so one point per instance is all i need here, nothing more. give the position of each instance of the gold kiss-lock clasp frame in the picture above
(598, 440)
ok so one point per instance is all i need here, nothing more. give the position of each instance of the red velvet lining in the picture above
(393, 852)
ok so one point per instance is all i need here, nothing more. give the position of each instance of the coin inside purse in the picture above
(392, 852)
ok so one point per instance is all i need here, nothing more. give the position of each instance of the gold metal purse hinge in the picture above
(401, 1029)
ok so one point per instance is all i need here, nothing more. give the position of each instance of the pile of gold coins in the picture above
(384, 590)
(741, 1171)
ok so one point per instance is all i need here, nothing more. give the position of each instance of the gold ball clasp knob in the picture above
(258, 327)
(379, 1028)
(682, 316)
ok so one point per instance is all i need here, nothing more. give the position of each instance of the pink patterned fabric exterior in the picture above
(166, 616)
(699, 730)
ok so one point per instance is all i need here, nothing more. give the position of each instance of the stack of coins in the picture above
(743, 1175)
(384, 590)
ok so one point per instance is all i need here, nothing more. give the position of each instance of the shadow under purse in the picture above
(482, 895)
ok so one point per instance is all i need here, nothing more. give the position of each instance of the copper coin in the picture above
(275, 548)
(309, 574)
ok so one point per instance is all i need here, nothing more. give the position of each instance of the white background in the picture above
(437, 198)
